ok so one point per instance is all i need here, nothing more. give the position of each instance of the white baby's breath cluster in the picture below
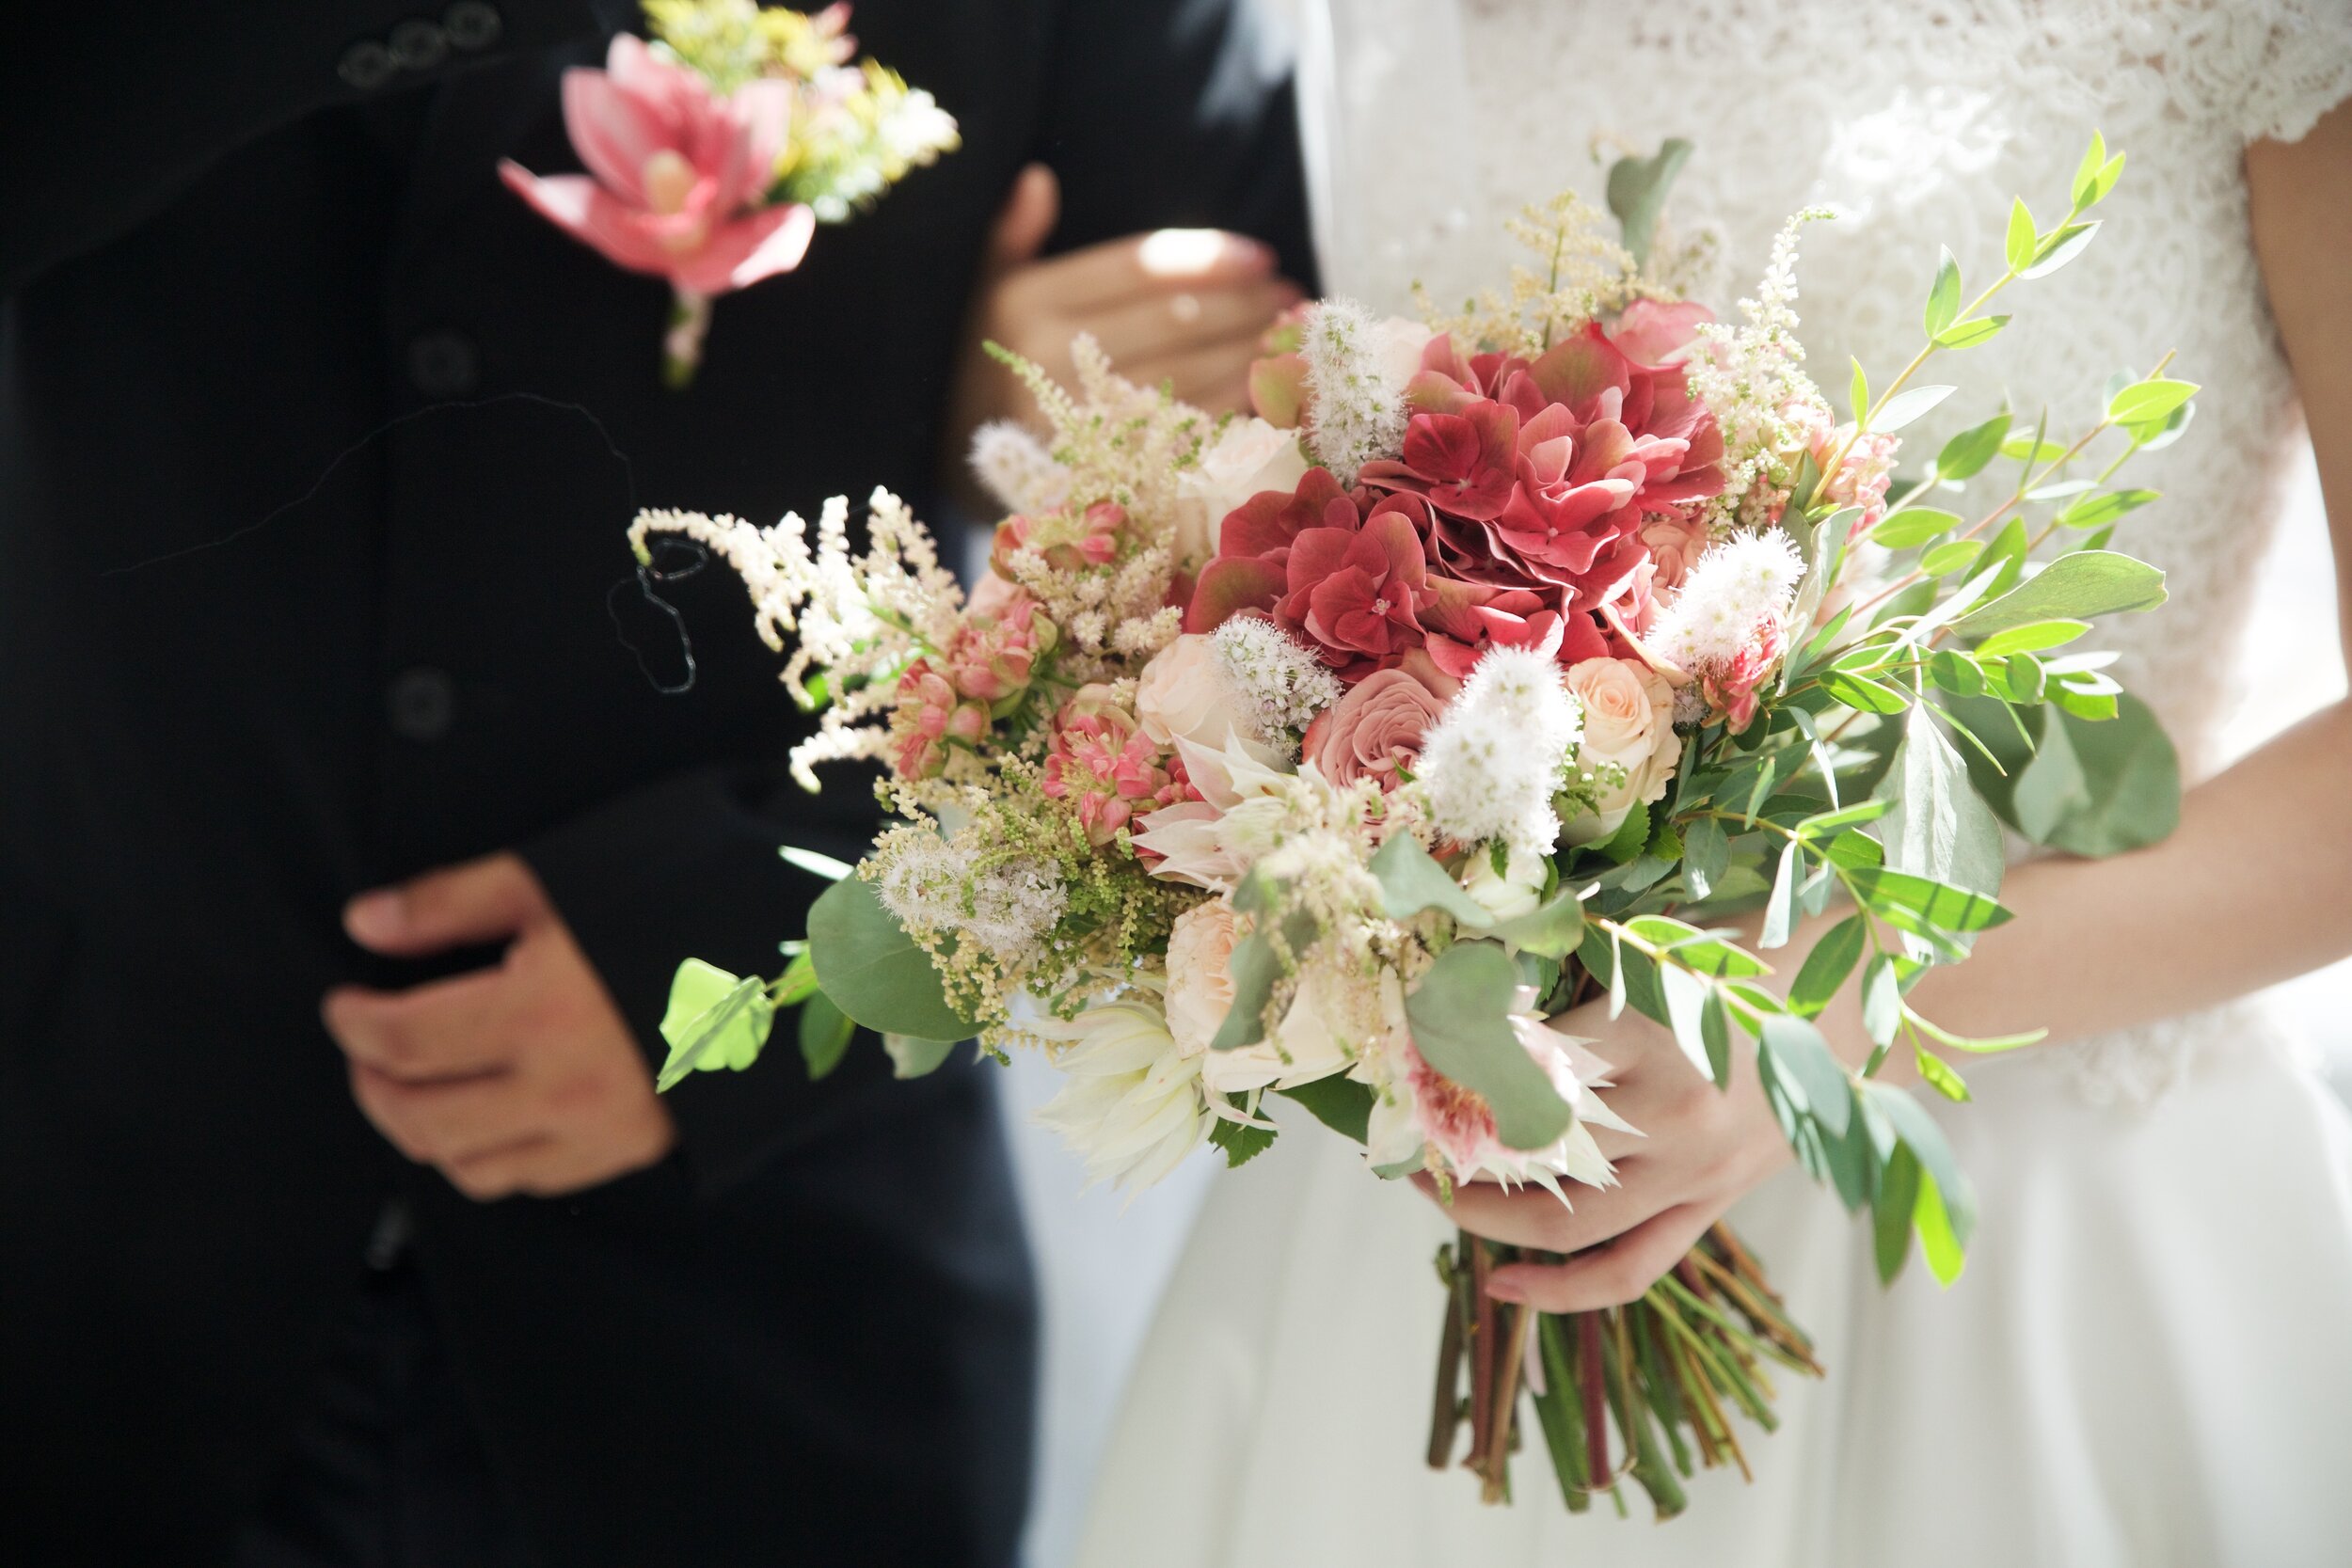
(1746, 582)
(855, 613)
(1280, 681)
(1360, 411)
(1751, 377)
(952, 886)
(1014, 467)
(1492, 763)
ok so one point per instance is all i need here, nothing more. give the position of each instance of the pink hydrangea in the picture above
(1101, 764)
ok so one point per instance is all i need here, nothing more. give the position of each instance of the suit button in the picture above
(367, 65)
(443, 364)
(419, 45)
(472, 25)
(420, 704)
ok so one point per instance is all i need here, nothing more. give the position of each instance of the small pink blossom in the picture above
(1068, 543)
(929, 717)
(993, 655)
(1106, 769)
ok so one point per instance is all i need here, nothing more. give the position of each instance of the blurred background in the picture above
(1103, 1257)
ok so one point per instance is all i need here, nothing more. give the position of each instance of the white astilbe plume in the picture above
(1359, 412)
(1014, 466)
(1751, 377)
(854, 614)
(1133, 1107)
(1742, 584)
(1495, 758)
(1280, 681)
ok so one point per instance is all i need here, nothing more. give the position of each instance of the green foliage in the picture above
(1239, 1142)
(1411, 881)
(1339, 1103)
(1943, 298)
(2100, 788)
(1460, 1016)
(713, 1020)
(873, 970)
(1637, 194)
(2079, 587)
(915, 1057)
(1966, 454)
(825, 1034)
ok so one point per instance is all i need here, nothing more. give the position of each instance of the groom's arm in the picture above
(109, 108)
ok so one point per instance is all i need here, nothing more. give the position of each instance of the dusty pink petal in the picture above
(765, 109)
(741, 253)
(614, 131)
(1230, 585)
(584, 210)
(1651, 329)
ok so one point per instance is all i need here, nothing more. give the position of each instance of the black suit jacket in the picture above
(316, 451)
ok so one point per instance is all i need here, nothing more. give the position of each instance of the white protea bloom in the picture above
(1353, 387)
(1133, 1108)
(1740, 586)
(1244, 809)
(1279, 678)
(1014, 466)
(1498, 754)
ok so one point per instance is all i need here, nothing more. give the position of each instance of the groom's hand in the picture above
(518, 1077)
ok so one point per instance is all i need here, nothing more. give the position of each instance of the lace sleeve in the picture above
(2265, 68)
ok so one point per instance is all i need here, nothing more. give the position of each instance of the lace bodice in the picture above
(1918, 124)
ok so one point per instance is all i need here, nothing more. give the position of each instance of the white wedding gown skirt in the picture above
(2148, 1358)
(2147, 1362)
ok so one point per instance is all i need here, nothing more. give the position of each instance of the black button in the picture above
(420, 704)
(419, 45)
(471, 25)
(443, 364)
(367, 65)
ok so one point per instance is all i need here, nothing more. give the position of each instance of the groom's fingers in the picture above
(1193, 319)
(448, 1122)
(1161, 262)
(445, 1029)
(1609, 1275)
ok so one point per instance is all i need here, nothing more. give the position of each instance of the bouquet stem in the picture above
(1661, 1370)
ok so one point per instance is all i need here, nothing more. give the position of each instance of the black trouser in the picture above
(386, 1469)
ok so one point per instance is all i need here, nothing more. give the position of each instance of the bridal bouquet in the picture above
(1570, 646)
(714, 151)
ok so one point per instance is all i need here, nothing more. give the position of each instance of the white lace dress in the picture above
(2149, 1359)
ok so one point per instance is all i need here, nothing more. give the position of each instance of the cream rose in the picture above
(1199, 974)
(1251, 455)
(1302, 1048)
(1629, 723)
(1183, 693)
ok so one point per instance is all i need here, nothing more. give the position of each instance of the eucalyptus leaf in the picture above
(1913, 526)
(713, 1020)
(1779, 911)
(1921, 1134)
(2100, 788)
(1943, 301)
(2143, 402)
(1338, 1102)
(1461, 1022)
(1411, 880)
(1969, 333)
(2019, 247)
(1966, 455)
(912, 1056)
(2078, 587)
(2099, 511)
(1826, 968)
(1637, 194)
(872, 969)
(2056, 249)
(2032, 637)
(825, 1032)
(1882, 999)
(1686, 1001)
(1553, 929)
(1924, 906)
(1905, 406)
(1891, 1212)
(1800, 1052)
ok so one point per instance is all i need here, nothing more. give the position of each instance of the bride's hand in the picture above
(1701, 1149)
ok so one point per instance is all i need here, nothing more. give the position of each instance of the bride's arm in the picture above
(2253, 887)
(2256, 884)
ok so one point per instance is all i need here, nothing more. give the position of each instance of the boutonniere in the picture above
(714, 150)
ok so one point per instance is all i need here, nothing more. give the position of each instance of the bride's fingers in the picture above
(1609, 1275)
(1532, 1217)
